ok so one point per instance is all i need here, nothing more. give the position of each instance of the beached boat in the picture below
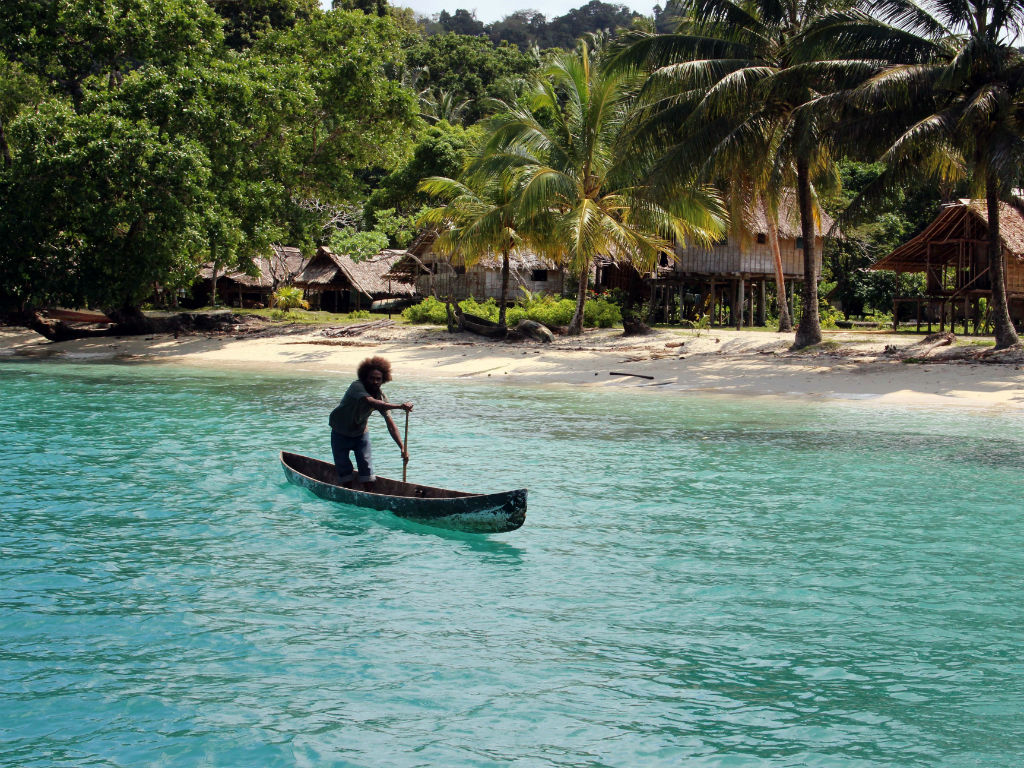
(441, 508)
(483, 326)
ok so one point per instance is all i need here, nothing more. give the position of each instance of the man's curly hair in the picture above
(371, 363)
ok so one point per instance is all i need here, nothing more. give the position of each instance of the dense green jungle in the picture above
(141, 139)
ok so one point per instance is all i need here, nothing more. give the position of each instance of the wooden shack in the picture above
(239, 288)
(952, 252)
(737, 271)
(334, 282)
(432, 274)
(714, 280)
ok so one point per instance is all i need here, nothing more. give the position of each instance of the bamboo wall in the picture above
(751, 258)
(482, 283)
(1014, 275)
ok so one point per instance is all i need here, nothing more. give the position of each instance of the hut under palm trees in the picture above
(432, 274)
(734, 272)
(952, 252)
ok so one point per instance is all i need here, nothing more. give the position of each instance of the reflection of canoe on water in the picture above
(457, 510)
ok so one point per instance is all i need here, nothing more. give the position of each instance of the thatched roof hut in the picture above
(434, 274)
(336, 282)
(952, 252)
(279, 267)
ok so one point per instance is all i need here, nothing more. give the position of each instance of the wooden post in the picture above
(738, 308)
(750, 320)
(762, 309)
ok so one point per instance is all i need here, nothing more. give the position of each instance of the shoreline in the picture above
(856, 367)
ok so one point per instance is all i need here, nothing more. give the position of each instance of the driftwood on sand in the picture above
(82, 326)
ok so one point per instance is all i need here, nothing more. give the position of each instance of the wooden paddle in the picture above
(405, 447)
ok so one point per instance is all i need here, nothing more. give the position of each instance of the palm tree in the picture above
(480, 215)
(725, 93)
(949, 100)
(565, 152)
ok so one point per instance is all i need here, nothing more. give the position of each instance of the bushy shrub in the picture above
(289, 297)
(430, 311)
(601, 313)
(545, 309)
(359, 314)
(281, 315)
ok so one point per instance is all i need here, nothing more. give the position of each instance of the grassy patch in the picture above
(970, 342)
(315, 317)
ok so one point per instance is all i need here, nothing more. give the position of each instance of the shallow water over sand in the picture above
(700, 582)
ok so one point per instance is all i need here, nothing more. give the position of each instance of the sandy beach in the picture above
(861, 366)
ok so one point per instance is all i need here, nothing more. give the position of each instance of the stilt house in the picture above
(730, 275)
(335, 283)
(952, 252)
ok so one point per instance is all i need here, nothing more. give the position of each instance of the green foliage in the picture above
(245, 21)
(470, 68)
(99, 208)
(360, 118)
(289, 297)
(441, 150)
(292, 316)
(358, 244)
(891, 219)
(549, 310)
(530, 28)
(160, 149)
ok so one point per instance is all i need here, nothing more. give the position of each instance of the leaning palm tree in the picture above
(565, 152)
(946, 98)
(724, 92)
(480, 216)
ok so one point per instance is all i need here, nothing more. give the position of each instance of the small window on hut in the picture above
(799, 243)
(762, 238)
(539, 276)
(460, 270)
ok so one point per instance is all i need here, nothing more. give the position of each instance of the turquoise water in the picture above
(700, 582)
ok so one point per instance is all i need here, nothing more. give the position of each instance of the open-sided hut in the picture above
(240, 289)
(335, 283)
(435, 275)
(952, 252)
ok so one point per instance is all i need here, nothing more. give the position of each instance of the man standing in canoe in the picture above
(349, 430)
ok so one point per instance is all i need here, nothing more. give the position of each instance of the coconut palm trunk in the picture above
(1006, 335)
(576, 324)
(505, 270)
(785, 322)
(808, 332)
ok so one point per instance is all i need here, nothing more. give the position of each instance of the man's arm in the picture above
(383, 405)
(394, 431)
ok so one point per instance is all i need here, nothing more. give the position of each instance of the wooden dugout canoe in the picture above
(439, 507)
(483, 326)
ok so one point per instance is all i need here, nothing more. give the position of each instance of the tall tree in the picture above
(481, 215)
(729, 77)
(948, 100)
(566, 153)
